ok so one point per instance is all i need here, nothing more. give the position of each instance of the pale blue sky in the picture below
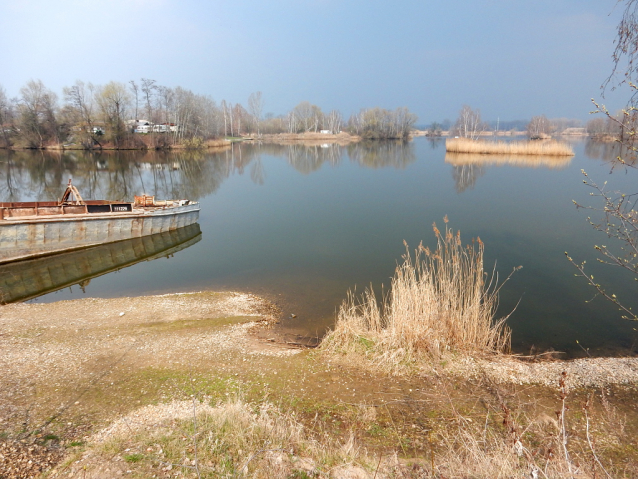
(512, 59)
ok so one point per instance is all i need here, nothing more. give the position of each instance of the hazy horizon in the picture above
(512, 61)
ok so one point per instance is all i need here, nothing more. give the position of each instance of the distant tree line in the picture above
(608, 127)
(115, 114)
(469, 124)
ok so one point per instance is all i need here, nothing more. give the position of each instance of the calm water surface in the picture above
(303, 224)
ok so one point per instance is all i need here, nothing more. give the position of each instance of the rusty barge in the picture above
(41, 228)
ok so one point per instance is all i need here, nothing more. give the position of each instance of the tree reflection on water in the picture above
(118, 175)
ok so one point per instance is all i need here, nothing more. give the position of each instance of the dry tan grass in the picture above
(543, 148)
(230, 439)
(439, 301)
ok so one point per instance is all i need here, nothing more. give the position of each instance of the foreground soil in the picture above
(69, 371)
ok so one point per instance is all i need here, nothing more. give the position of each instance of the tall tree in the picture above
(334, 121)
(38, 106)
(469, 123)
(256, 106)
(539, 127)
(7, 115)
(136, 91)
(303, 114)
(113, 100)
(79, 98)
(148, 89)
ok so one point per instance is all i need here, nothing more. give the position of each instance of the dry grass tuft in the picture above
(231, 439)
(543, 148)
(439, 301)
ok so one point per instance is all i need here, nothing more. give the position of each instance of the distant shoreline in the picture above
(280, 138)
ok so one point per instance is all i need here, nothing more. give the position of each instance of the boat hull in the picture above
(24, 280)
(33, 237)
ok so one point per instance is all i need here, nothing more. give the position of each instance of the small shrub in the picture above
(133, 457)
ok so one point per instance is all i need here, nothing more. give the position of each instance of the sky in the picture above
(510, 59)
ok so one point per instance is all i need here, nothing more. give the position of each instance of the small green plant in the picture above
(366, 343)
(297, 474)
(376, 430)
(135, 457)
(50, 437)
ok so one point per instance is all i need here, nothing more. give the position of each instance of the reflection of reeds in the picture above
(439, 301)
(525, 161)
(542, 148)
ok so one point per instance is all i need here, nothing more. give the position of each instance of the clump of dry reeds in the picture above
(439, 301)
(481, 147)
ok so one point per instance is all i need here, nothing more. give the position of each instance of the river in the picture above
(303, 224)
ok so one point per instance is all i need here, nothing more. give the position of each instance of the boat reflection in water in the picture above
(23, 280)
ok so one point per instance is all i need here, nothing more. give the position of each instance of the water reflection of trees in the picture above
(303, 157)
(309, 158)
(609, 151)
(434, 142)
(465, 176)
(28, 175)
(380, 154)
(119, 175)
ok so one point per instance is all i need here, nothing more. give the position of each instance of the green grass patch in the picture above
(132, 458)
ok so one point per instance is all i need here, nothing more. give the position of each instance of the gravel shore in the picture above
(58, 359)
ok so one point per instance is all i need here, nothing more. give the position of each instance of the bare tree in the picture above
(625, 55)
(80, 98)
(165, 102)
(378, 123)
(539, 128)
(135, 89)
(256, 106)
(148, 88)
(303, 114)
(225, 114)
(617, 214)
(334, 121)
(469, 123)
(37, 114)
(7, 115)
(113, 100)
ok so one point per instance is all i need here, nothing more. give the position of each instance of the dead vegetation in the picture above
(441, 429)
(192, 396)
(536, 147)
(439, 302)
